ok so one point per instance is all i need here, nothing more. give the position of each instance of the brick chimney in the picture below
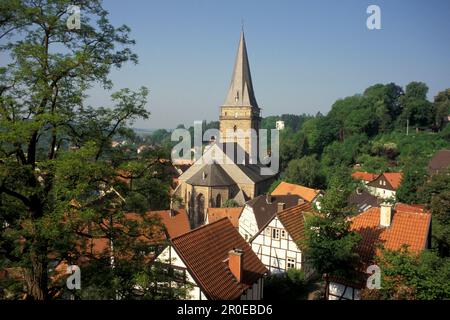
(235, 263)
(171, 212)
(281, 206)
(385, 214)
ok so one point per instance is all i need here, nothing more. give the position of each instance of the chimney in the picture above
(269, 198)
(301, 201)
(235, 263)
(385, 214)
(171, 213)
(281, 206)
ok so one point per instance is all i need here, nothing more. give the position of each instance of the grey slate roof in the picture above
(264, 211)
(440, 161)
(211, 175)
(241, 87)
(363, 200)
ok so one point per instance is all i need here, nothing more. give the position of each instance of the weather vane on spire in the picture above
(242, 24)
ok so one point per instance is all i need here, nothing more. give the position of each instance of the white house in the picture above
(276, 244)
(260, 210)
(215, 263)
(385, 185)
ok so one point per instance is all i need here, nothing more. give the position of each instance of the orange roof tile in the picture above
(394, 178)
(409, 226)
(233, 214)
(204, 251)
(365, 176)
(176, 224)
(285, 188)
(293, 219)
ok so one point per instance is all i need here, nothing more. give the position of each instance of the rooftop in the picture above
(205, 251)
(285, 188)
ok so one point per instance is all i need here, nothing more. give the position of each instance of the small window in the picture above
(290, 263)
(268, 232)
(381, 183)
(283, 234)
(276, 233)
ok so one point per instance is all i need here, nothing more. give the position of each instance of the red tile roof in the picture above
(176, 224)
(365, 176)
(410, 226)
(233, 214)
(394, 178)
(165, 226)
(285, 188)
(205, 250)
(293, 220)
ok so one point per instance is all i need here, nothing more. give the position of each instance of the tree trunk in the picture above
(36, 277)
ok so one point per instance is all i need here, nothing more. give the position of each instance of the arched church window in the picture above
(219, 201)
(234, 128)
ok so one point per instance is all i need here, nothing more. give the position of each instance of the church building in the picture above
(218, 176)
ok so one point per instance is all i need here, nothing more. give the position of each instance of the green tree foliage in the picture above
(412, 277)
(230, 203)
(330, 244)
(442, 108)
(436, 194)
(414, 176)
(305, 171)
(287, 286)
(59, 174)
(416, 108)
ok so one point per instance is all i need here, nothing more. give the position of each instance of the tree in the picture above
(416, 108)
(442, 107)
(59, 174)
(230, 203)
(436, 194)
(330, 245)
(406, 275)
(305, 171)
(413, 178)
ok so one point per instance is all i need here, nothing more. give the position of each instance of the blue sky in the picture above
(304, 54)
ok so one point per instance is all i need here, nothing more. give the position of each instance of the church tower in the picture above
(240, 110)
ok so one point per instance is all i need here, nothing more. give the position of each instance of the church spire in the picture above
(241, 92)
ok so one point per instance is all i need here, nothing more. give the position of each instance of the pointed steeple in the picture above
(241, 92)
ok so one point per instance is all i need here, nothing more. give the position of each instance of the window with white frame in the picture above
(283, 234)
(290, 263)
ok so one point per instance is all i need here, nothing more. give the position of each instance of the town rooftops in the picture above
(266, 206)
(233, 214)
(166, 224)
(205, 250)
(293, 219)
(440, 161)
(365, 176)
(410, 225)
(393, 178)
(363, 200)
(285, 188)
